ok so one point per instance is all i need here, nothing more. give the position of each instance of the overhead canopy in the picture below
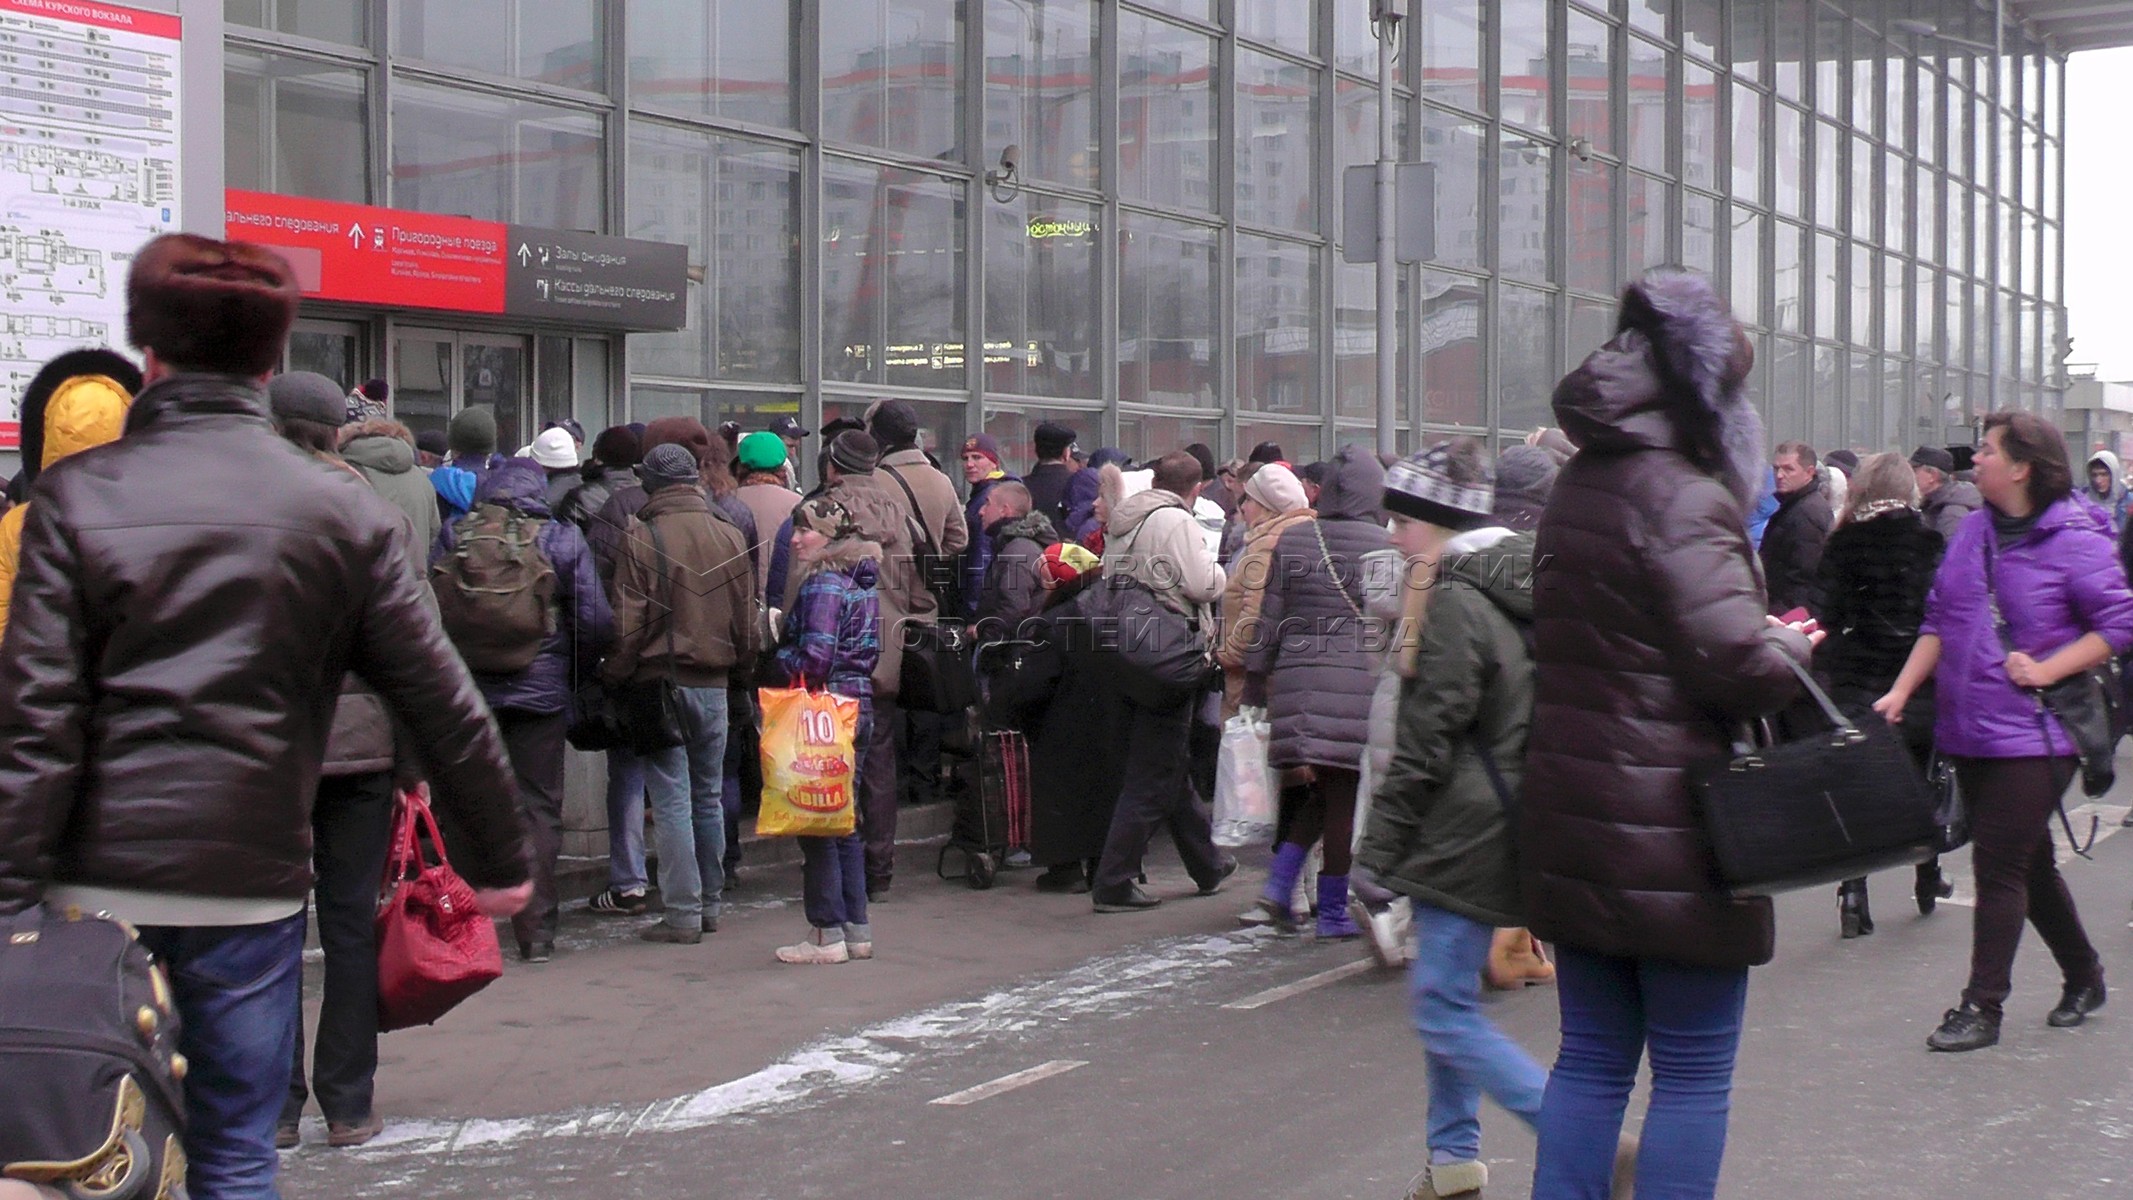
(2078, 24)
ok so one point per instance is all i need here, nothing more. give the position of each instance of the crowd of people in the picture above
(1485, 680)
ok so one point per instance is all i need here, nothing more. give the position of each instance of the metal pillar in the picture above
(1388, 347)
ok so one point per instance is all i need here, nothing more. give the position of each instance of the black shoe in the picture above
(1933, 887)
(2075, 1005)
(877, 891)
(536, 952)
(1128, 898)
(1965, 1028)
(1854, 918)
(1227, 869)
(287, 1136)
(1064, 878)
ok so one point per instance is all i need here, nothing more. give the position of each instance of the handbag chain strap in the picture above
(2044, 714)
(1325, 555)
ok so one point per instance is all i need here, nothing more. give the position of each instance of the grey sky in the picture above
(2099, 211)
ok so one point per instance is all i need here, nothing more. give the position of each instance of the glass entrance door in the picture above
(437, 372)
(331, 348)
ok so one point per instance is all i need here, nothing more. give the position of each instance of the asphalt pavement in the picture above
(1007, 1043)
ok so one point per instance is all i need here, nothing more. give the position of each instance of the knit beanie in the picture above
(667, 465)
(1276, 488)
(473, 431)
(985, 444)
(306, 395)
(618, 447)
(1449, 484)
(1065, 562)
(555, 449)
(1525, 475)
(854, 453)
(432, 441)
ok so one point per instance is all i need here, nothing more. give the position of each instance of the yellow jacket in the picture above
(84, 411)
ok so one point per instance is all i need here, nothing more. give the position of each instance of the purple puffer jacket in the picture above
(2062, 580)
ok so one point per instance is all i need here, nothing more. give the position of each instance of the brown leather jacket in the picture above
(190, 598)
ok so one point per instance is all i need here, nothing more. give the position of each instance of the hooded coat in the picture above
(832, 636)
(585, 624)
(1792, 549)
(1243, 601)
(1154, 538)
(76, 401)
(1949, 504)
(1437, 829)
(1076, 724)
(1316, 651)
(2113, 501)
(387, 462)
(882, 513)
(1014, 581)
(2057, 582)
(1650, 638)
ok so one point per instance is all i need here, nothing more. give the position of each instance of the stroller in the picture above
(992, 819)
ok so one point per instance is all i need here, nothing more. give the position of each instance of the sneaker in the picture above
(612, 903)
(858, 950)
(287, 1136)
(1228, 868)
(710, 923)
(1128, 898)
(1965, 1028)
(814, 950)
(1385, 930)
(672, 934)
(1447, 1181)
(535, 952)
(354, 1133)
(2075, 1005)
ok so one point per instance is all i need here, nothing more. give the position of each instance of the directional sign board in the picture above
(593, 280)
(1414, 212)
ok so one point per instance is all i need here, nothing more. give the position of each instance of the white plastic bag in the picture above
(1246, 792)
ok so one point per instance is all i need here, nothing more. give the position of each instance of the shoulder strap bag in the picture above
(2085, 705)
(652, 713)
(934, 673)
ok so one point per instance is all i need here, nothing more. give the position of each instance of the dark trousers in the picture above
(2011, 805)
(877, 792)
(1325, 808)
(534, 743)
(918, 755)
(351, 828)
(1159, 790)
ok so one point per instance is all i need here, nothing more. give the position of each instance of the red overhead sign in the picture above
(367, 255)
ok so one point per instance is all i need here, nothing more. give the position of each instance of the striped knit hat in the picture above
(1450, 484)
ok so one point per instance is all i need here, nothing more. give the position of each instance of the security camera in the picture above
(1001, 181)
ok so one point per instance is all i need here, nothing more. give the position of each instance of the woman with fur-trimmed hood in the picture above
(1650, 642)
(76, 401)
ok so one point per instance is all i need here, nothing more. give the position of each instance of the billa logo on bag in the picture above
(822, 797)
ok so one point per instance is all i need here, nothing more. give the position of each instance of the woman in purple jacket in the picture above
(2050, 561)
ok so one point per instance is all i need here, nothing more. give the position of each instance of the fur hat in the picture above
(204, 305)
(308, 396)
(1449, 484)
(1266, 452)
(687, 432)
(1704, 357)
(854, 453)
(473, 430)
(617, 446)
(1276, 488)
(666, 465)
(107, 366)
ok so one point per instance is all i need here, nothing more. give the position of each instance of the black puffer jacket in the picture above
(1792, 550)
(1650, 639)
(1875, 575)
(175, 654)
(1314, 650)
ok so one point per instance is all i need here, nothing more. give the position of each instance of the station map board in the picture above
(89, 118)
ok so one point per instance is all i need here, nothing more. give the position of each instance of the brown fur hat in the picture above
(204, 305)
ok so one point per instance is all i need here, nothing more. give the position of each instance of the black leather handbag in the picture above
(2087, 706)
(1951, 812)
(1157, 656)
(1826, 807)
(651, 709)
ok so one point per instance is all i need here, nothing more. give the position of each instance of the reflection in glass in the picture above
(1527, 353)
(1456, 146)
(1453, 34)
(496, 159)
(892, 73)
(296, 127)
(1299, 443)
(1588, 51)
(493, 373)
(1925, 212)
(732, 59)
(1746, 265)
(1452, 350)
(892, 270)
(1525, 209)
(941, 424)
(1747, 144)
(1589, 215)
(1016, 431)
(1925, 100)
(344, 21)
(1290, 25)
(1863, 292)
(1167, 346)
(1789, 160)
(1651, 16)
(1749, 41)
(1524, 61)
(1895, 303)
(1789, 376)
(1787, 259)
(1040, 63)
(553, 41)
(1700, 139)
(1355, 49)
(1863, 407)
(422, 382)
(1825, 395)
(1648, 220)
(1277, 326)
(1863, 188)
(1277, 142)
(1146, 435)
(1829, 268)
(1788, 45)
(1355, 340)
(1592, 323)
(1040, 297)
(1925, 303)
(1830, 180)
(1699, 232)
(736, 205)
(1647, 140)
(1166, 113)
(648, 403)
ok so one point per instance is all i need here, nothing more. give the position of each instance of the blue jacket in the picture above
(832, 636)
(455, 491)
(1081, 494)
(979, 556)
(585, 624)
(1766, 506)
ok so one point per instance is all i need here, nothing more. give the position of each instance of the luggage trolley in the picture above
(992, 819)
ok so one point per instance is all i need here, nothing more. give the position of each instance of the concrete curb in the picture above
(578, 876)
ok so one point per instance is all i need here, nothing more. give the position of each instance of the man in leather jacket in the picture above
(189, 598)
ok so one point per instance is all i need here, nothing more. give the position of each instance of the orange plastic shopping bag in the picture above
(809, 763)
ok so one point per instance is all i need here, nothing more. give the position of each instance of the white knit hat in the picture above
(555, 449)
(1450, 484)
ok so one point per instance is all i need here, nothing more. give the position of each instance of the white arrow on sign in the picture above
(523, 254)
(355, 236)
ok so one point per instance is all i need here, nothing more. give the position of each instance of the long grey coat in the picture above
(1319, 662)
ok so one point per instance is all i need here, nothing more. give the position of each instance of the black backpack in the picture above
(89, 1053)
(496, 590)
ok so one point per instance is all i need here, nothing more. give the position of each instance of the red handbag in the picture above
(435, 945)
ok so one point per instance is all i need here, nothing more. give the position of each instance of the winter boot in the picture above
(1932, 888)
(1450, 1181)
(1854, 918)
(1272, 907)
(1334, 924)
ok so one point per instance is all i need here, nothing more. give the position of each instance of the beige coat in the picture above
(1243, 598)
(940, 510)
(1153, 537)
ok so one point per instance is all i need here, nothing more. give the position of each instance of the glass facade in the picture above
(1162, 263)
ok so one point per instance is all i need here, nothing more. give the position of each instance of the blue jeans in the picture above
(1613, 1008)
(690, 825)
(1466, 1053)
(237, 993)
(625, 820)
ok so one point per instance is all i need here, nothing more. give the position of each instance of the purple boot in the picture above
(1272, 907)
(1333, 922)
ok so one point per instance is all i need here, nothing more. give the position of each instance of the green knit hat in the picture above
(762, 451)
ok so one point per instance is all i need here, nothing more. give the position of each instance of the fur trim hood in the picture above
(1673, 377)
(98, 384)
(853, 556)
